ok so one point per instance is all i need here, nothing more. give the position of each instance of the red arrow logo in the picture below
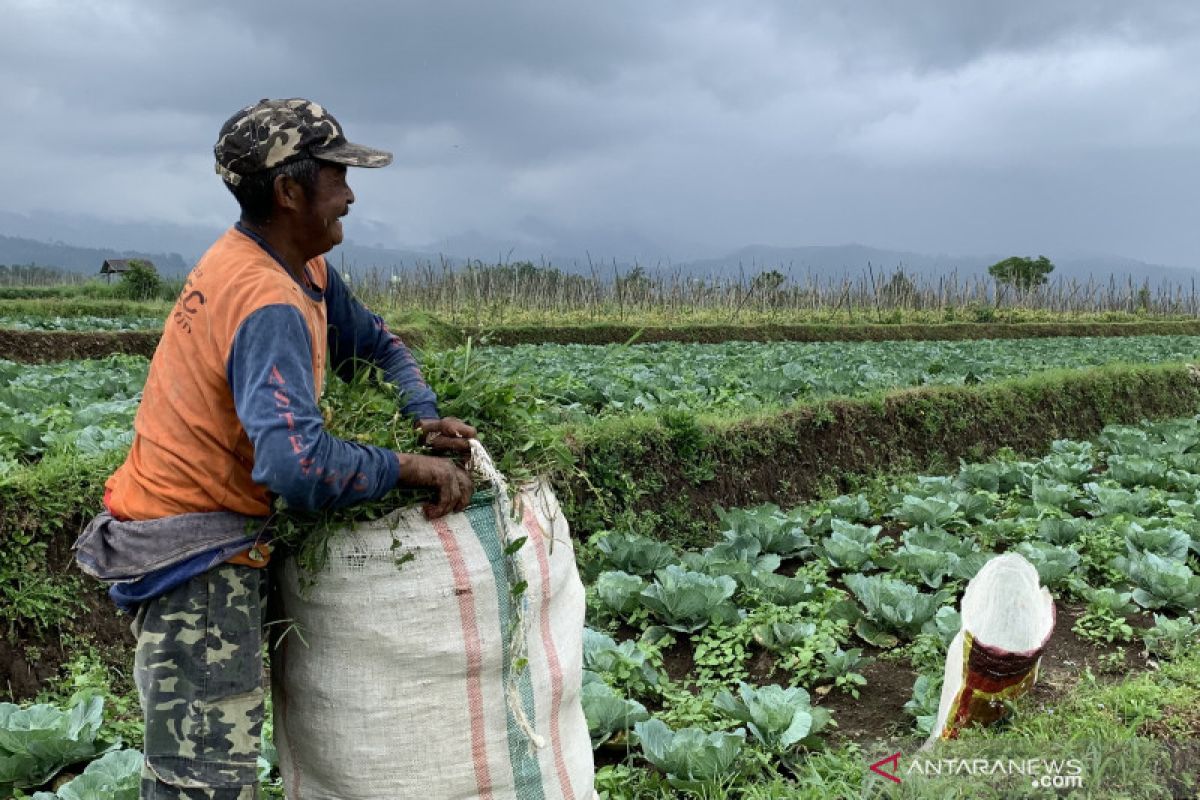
(894, 760)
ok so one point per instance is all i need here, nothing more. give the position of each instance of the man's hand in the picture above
(453, 483)
(447, 435)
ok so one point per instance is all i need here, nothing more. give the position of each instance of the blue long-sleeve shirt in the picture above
(270, 376)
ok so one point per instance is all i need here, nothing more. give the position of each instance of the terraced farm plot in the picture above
(580, 381)
(88, 406)
(767, 665)
(785, 636)
(81, 323)
(85, 407)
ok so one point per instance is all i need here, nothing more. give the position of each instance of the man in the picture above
(229, 420)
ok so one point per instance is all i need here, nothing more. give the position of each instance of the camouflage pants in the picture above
(199, 673)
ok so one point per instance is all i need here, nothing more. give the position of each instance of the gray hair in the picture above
(255, 193)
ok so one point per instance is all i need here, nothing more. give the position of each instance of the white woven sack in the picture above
(423, 675)
(1007, 619)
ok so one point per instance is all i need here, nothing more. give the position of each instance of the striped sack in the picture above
(423, 674)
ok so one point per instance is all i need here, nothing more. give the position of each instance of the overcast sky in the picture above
(938, 126)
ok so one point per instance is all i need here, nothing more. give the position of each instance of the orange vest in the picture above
(190, 452)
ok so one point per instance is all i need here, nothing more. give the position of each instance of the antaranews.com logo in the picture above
(1043, 773)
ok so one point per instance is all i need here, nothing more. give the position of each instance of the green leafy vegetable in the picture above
(893, 608)
(1060, 531)
(619, 592)
(983, 477)
(1113, 501)
(37, 742)
(948, 623)
(606, 711)
(691, 758)
(1135, 471)
(850, 546)
(1171, 638)
(780, 636)
(623, 664)
(1170, 543)
(115, 776)
(970, 564)
(775, 531)
(933, 512)
(1053, 564)
(637, 555)
(1067, 468)
(778, 718)
(841, 666)
(850, 508)
(1160, 582)
(67, 407)
(939, 540)
(579, 382)
(926, 698)
(781, 590)
(687, 601)
(931, 565)
(1110, 600)
(739, 556)
(1049, 495)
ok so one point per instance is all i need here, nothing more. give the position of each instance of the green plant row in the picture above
(581, 382)
(577, 383)
(89, 323)
(828, 332)
(58, 334)
(42, 509)
(108, 304)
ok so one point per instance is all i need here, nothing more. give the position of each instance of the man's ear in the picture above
(288, 193)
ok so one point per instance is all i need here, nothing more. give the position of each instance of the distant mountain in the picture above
(360, 258)
(80, 243)
(572, 249)
(831, 262)
(88, 232)
(1104, 268)
(84, 260)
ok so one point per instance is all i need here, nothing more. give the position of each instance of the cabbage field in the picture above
(795, 648)
(80, 407)
(719, 666)
(579, 381)
(731, 666)
(87, 406)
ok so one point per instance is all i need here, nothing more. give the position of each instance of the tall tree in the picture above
(1022, 272)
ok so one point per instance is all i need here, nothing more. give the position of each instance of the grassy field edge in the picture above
(814, 332)
(664, 475)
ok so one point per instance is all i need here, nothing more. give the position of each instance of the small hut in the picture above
(118, 266)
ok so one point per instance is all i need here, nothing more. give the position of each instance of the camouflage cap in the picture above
(274, 132)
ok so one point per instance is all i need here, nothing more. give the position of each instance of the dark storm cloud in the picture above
(935, 34)
(930, 125)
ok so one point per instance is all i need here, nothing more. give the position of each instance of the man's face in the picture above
(330, 202)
